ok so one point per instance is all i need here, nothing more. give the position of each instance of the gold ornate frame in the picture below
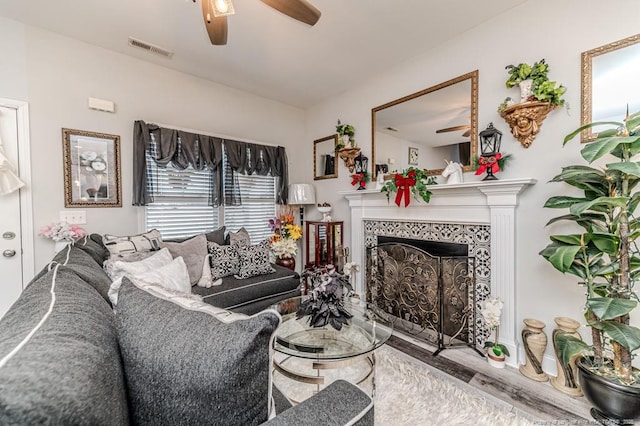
(91, 163)
(587, 79)
(473, 76)
(315, 158)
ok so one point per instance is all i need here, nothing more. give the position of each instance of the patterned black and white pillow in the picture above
(149, 241)
(254, 260)
(224, 260)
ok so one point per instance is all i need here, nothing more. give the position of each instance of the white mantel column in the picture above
(502, 203)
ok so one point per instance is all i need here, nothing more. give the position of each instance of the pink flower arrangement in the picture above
(62, 231)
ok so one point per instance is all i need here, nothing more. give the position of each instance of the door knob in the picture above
(9, 253)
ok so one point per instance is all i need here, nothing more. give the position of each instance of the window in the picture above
(181, 203)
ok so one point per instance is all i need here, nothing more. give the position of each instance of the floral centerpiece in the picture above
(285, 234)
(324, 305)
(411, 180)
(491, 311)
(62, 232)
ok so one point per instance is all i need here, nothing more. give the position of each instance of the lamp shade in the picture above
(301, 193)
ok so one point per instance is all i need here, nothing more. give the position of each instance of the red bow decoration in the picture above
(357, 178)
(485, 163)
(404, 184)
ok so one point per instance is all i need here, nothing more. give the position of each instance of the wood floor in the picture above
(534, 400)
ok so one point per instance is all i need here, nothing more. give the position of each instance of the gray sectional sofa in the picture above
(66, 358)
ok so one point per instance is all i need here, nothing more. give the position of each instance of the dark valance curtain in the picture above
(249, 158)
(181, 149)
(184, 149)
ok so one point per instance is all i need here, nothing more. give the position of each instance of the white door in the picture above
(13, 268)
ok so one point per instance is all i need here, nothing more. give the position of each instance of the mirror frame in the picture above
(334, 138)
(473, 76)
(587, 79)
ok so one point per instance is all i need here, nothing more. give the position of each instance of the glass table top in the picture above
(367, 330)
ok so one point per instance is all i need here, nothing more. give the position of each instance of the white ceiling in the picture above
(268, 53)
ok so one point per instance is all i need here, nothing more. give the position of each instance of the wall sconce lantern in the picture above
(361, 163)
(490, 140)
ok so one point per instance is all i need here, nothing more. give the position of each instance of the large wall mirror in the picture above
(610, 83)
(324, 158)
(428, 128)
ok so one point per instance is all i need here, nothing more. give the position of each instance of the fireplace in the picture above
(427, 287)
(439, 240)
(479, 214)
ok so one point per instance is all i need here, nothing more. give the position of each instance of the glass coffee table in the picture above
(305, 355)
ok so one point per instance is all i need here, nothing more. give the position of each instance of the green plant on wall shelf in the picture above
(345, 130)
(518, 73)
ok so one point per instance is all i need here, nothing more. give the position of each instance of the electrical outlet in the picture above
(78, 217)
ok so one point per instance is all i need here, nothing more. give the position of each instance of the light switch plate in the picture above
(78, 217)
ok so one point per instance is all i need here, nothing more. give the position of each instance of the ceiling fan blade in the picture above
(467, 133)
(299, 10)
(216, 27)
(454, 128)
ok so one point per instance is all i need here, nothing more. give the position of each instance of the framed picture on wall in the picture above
(91, 169)
(413, 156)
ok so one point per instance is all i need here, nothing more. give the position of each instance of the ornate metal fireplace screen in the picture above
(432, 297)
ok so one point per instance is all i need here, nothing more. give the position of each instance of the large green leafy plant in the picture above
(604, 257)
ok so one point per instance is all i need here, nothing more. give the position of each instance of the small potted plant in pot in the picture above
(606, 260)
(346, 133)
(534, 83)
(496, 352)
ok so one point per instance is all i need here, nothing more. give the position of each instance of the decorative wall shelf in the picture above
(525, 120)
(348, 155)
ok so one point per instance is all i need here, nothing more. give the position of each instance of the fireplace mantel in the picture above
(478, 202)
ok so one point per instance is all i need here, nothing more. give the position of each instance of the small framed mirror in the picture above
(610, 83)
(428, 128)
(324, 158)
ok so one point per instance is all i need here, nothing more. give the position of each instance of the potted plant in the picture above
(606, 261)
(534, 83)
(346, 133)
(496, 352)
(325, 303)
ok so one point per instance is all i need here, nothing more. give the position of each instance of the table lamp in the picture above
(301, 194)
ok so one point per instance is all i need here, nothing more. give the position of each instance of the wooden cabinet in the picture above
(324, 244)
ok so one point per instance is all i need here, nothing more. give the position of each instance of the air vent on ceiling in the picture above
(150, 47)
(391, 129)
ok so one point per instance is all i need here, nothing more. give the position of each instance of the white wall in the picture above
(61, 73)
(556, 31)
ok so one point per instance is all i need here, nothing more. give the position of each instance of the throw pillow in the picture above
(206, 280)
(193, 251)
(121, 269)
(254, 260)
(129, 257)
(217, 236)
(174, 277)
(241, 237)
(225, 379)
(149, 241)
(224, 260)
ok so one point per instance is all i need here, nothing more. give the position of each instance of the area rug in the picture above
(409, 392)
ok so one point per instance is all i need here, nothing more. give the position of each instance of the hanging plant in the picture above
(410, 180)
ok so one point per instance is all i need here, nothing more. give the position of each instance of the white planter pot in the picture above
(525, 89)
(495, 361)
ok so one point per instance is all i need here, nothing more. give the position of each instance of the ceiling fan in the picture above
(456, 128)
(215, 14)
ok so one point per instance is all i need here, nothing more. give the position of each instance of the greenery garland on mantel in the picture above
(410, 180)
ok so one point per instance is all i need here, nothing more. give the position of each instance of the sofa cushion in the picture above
(69, 372)
(217, 236)
(185, 366)
(224, 260)
(85, 266)
(241, 236)
(254, 260)
(235, 293)
(193, 251)
(148, 241)
(93, 246)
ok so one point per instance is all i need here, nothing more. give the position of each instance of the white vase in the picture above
(525, 89)
(60, 245)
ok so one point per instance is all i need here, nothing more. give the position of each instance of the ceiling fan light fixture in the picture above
(222, 8)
